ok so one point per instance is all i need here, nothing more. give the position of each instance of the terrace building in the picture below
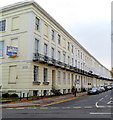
(38, 55)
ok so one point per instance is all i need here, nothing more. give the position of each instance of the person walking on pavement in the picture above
(75, 92)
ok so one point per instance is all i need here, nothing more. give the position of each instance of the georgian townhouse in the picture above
(38, 55)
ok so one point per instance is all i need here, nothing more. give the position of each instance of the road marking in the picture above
(77, 107)
(54, 107)
(99, 106)
(88, 107)
(111, 98)
(19, 108)
(43, 107)
(101, 113)
(101, 99)
(61, 101)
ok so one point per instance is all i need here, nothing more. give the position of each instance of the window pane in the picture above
(1, 48)
(35, 73)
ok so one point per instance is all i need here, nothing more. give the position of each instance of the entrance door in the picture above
(53, 78)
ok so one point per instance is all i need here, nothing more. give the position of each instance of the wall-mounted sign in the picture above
(78, 81)
(25, 67)
(12, 51)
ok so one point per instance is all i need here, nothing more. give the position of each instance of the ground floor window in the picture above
(35, 93)
(45, 74)
(35, 73)
(64, 91)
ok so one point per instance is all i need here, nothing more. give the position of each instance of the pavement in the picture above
(44, 102)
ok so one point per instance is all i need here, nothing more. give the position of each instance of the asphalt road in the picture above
(88, 107)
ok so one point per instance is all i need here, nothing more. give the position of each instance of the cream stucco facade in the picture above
(48, 56)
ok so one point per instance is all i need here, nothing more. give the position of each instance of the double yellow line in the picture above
(62, 101)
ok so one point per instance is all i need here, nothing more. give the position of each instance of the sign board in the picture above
(12, 51)
(78, 81)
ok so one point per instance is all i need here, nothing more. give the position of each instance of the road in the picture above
(88, 107)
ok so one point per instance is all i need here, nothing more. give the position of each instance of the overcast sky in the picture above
(88, 21)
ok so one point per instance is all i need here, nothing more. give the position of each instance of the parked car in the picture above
(109, 87)
(93, 91)
(102, 88)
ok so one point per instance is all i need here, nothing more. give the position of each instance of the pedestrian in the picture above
(75, 92)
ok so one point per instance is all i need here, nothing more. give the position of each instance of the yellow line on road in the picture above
(62, 101)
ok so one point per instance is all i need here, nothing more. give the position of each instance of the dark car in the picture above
(93, 91)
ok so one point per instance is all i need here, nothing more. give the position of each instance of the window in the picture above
(64, 77)
(52, 34)
(52, 53)
(75, 51)
(75, 63)
(59, 77)
(72, 61)
(72, 48)
(45, 49)
(37, 23)
(81, 66)
(59, 55)
(36, 45)
(68, 46)
(1, 48)
(78, 53)
(81, 55)
(68, 78)
(35, 73)
(35, 92)
(64, 58)
(68, 59)
(2, 25)
(45, 74)
(78, 64)
(59, 39)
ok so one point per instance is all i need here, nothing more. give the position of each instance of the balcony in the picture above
(58, 64)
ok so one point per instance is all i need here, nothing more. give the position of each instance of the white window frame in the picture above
(59, 55)
(2, 49)
(2, 25)
(52, 52)
(37, 23)
(64, 77)
(36, 74)
(59, 77)
(45, 74)
(59, 39)
(52, 34)
(36, 45)
(45, 49)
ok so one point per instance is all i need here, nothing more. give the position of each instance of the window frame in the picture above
(37, 23)
(45, 74)
(2, 49)
(59, 39)
(2, 25)
(36, 73)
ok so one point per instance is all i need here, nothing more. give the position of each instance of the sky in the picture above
(88, 21)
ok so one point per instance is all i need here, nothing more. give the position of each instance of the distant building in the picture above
(37, 55)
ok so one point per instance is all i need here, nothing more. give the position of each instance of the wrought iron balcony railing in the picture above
(51, 61)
